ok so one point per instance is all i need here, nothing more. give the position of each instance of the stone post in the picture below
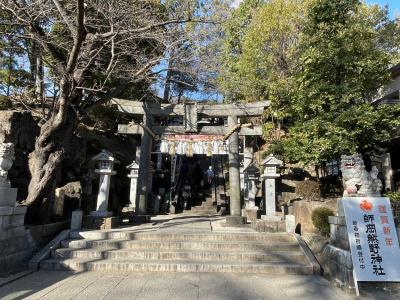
(105, 169)
(144, 165)
(235, 217)
(270, 175)
(133, 175)
(387, 171)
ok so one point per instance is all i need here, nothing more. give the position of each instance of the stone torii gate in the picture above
(191, 113)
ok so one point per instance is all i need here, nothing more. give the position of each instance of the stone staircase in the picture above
(171, 251)
(206, 207)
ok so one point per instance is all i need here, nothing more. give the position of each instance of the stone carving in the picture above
(357, 181)
(6, 161)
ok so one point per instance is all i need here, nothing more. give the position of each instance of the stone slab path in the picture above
(185, 286)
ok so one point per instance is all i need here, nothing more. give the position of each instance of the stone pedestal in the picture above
(76, 220)
(270, 218)
(251, 214)
(290, 223)
(269, 226)
(93, 222)
(235, 220)
(139, 219)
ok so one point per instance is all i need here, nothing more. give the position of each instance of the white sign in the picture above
(373, 239)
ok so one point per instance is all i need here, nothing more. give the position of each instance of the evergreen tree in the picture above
(347, 49)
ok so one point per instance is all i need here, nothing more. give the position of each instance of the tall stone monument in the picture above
(105, 169)
(271, 173)
(133, 175)
(251, 178)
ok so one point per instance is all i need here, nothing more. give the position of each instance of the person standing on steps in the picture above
(210, 175)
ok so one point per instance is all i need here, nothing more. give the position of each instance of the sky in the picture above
(394, 6)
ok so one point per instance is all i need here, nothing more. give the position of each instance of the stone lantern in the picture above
(271, 173)
(105, 168)
(133, 175)
(251, 179)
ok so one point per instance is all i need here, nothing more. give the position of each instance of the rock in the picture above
(72, 189)
(20, 129)
(302, 212)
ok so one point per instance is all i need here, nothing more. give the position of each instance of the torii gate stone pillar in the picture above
(144, 167)
(235, 217)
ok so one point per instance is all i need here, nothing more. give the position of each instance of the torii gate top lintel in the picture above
(209, 110)
(190, 113)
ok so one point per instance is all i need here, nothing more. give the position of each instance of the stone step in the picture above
(109, 253)
(203, 207)
(80, 265)
(183, 245)
(180, 236)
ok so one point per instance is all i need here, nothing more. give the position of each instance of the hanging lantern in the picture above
(221, 147)
(189, 151)
(172, 149)
(209, 149)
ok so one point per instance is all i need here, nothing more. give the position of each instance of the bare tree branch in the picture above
(65, 17)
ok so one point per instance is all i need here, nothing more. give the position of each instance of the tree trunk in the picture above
(51, 147)
(10, 69)
(39, 80)
(32, 56)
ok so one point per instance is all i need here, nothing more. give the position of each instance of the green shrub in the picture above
(393, 196)
(331, 187)
(308, 190)
(319, 218)
(395, 201)
(5, 103)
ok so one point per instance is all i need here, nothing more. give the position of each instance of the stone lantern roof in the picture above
(251, 168)
(105, 155)
(133, 165)
(271, 160)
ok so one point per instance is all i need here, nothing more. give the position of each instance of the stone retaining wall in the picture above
(337, 254)
(42, 234)
(16, 243)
